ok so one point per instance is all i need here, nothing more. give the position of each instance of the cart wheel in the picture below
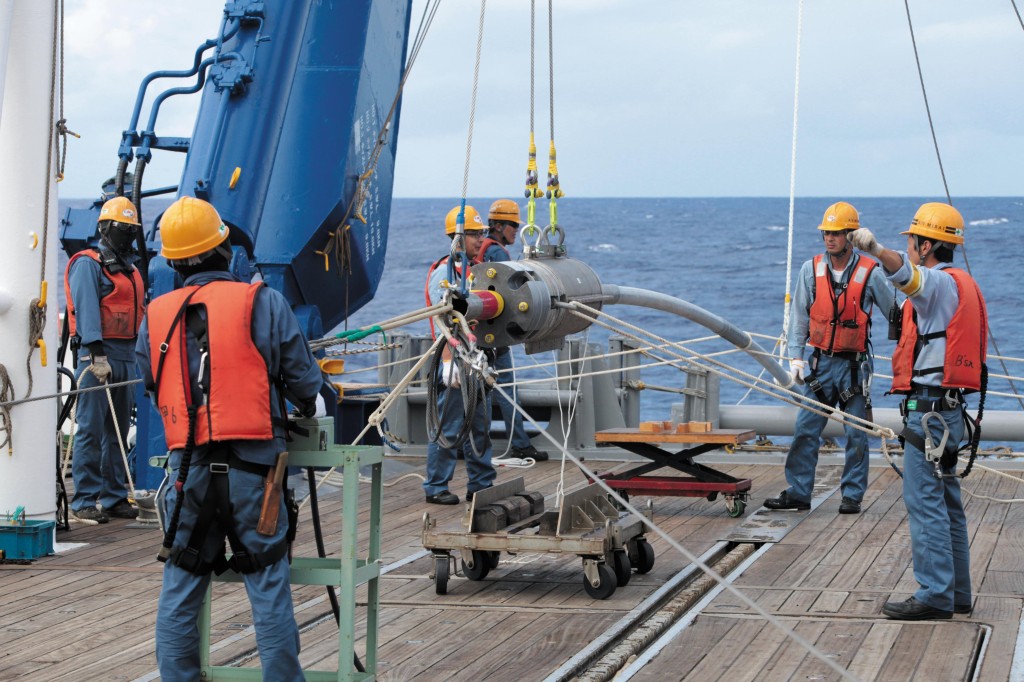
(441, 574)
(606, 583)
(481, 566)
(493, 558)
(623, 569)
(644, 561)
(735, 506)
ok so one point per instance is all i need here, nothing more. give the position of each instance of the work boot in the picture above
(849, 506)
(123, 510)
(530, 451)
(911, 609)
(443, 497)
(784, 501)
(90, 515)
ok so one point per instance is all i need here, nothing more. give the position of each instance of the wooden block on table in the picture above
(700, 427)
(682, 428)
(650, 427)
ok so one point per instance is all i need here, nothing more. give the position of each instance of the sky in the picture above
(654, 98)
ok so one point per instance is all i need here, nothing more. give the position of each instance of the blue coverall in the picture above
(284, 348)
(97, 467)
(835, 376)
(938, 525)
(441, 461)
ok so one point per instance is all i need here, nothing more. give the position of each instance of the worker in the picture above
(831, 313)
(451, 409)
(219, 357)
(503, 225)
(940, 356)
(105, 304)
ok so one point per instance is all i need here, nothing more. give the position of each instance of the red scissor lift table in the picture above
(699, 481)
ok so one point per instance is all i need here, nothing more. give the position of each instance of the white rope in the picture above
(792, 181)
(689, 556)
(120, 443)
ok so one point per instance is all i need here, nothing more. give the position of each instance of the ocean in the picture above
(726, 255)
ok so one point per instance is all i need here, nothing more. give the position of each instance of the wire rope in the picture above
(942, 172)
(792, 185)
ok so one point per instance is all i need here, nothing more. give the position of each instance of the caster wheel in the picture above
(441, 574)
(481, 566)
(623, 569)
(606, 583)
(735, 506)
(493, 558)
(643, 562)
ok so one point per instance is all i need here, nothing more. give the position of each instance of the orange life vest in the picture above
(486, 244)
(238, 404)
(426, 288)
(966, 341)
(121, 310)
(840, 323)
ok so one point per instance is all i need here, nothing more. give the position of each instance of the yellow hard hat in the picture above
(473, 222)
(938, 221)
(119, 209)
(506, 211)
(840, 216)
(190, 227)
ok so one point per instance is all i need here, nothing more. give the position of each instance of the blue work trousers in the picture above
(938, 525)
(441, 461)
(269, 591)
(96, 463)
(511, 416)
(802, 460)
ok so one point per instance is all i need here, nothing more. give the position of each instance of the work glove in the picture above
(798, 370)
(863, 240)
(313, 409)
(450, 374)
(100, 368)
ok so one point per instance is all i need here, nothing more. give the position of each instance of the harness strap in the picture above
(216, 505)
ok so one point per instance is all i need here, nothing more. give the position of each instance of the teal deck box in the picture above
(29, 541)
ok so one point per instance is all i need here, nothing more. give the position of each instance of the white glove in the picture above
(450, 374)
(321, 407)
(798, 369)
(866, 242)
(100, 368)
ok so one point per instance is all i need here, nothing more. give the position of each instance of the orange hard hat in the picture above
(190, 227)
(121, 210)
(505, 210)
(938, 221)
(473, 223)
(840, 216)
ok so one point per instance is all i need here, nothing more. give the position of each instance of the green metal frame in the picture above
(346, 573)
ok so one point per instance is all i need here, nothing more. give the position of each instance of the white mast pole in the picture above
(28, 464)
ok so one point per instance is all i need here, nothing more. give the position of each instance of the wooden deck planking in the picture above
(534, 607)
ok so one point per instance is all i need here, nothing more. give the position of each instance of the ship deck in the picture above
(88, 613)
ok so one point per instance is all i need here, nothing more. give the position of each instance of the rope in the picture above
(120, 443)
(6, 397)
(338, 242)
(742, 378)
(1017, 12)
(61, 394)
(942, 171)
(532, 192)
(792, 182)
(472, 101)
(692, 558)
(37, 307)
(924, 94)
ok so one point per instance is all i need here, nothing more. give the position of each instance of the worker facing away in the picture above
(219, 358)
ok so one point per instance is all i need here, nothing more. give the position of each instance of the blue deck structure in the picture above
(295, 96)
